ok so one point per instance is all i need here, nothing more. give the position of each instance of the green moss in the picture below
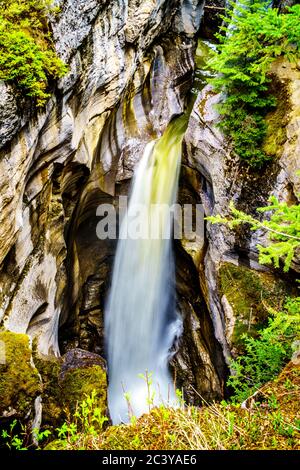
(19, 380)
(276, 122)
(27, 55)
(78, 383)
(61, 394)
(56, 445)
(250, 293)
(53, 413)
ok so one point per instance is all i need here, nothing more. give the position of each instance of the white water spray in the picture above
(140, 318)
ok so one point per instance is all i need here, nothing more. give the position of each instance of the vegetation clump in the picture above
(266, 355)
(27, 56)
(62, 392)
(82, 382)
(271, 421)
(282, 226)
(250, 294)
(252, 37)
(19, 380)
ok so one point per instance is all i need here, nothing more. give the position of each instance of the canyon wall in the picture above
(131, 66)
(130, 71)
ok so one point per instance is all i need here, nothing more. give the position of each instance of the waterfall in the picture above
(140, 317)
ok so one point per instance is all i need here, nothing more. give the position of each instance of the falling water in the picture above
(140, 319)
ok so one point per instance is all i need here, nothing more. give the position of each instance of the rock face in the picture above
(37, 389)
(10, 121)
(122, 89)
(235, 286)
(211, 19)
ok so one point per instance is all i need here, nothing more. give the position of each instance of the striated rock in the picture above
(189, 18)
(124, 85)
(130, 70)
(73, 24)
(9, 117)
(224, 178)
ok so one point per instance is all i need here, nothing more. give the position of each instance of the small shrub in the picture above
(84, 425)
(282, 226)
(27, 55)
(19, 437)
(252, 38)
(266, 355)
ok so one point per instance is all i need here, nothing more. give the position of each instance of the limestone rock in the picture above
(78, 358)
(9, 116)
(73, 23)
(224, 179)
(296, 354)
(124, 85)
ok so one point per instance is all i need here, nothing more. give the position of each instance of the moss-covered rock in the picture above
(19, 379)
(277, 120)
(52, 405)
(78, 383)
(56, 445)
(249, 294)
(67, 381)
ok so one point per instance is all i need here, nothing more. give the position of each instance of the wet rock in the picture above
(73, 23)
(211, 17)
(198, 364)
(78, 358)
